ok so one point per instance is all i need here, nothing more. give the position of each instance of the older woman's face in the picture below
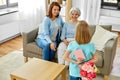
(74, 15)
(55, 11)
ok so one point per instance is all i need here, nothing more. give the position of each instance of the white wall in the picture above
(111, 17)
(107, 17)
(9, 27)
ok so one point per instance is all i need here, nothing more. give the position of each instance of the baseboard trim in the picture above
(9, 38)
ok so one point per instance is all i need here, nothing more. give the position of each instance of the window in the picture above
(8, 3)
(110, 4)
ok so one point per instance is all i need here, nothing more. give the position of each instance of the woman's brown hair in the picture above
(82, 35)
(51, 7)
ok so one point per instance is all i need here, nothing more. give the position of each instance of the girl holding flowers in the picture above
(82, 41)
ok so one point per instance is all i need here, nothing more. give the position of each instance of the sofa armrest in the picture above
(109, 54)
(29, 36)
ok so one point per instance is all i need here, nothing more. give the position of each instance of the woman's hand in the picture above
(52, 46)
(66, 42)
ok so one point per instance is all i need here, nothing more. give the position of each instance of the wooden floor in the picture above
(16, 44)
(11, 45)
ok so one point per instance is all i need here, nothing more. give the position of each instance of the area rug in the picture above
(9, 63)
(15, 59)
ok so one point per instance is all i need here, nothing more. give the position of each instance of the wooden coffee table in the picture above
(38, 69)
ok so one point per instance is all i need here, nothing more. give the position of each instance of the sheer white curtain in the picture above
(90, 10)
(31, 13)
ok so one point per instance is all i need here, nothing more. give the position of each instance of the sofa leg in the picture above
(105, 77)
(25, 59)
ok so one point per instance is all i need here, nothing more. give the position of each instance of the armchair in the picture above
(106, 57)
(30, 48)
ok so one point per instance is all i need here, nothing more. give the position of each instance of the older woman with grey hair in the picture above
(68, 33)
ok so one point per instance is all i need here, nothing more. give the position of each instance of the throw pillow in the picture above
(101, 36)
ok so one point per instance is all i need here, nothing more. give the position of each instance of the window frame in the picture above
(8, 5)
(108, 4)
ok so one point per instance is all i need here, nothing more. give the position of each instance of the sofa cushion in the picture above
(101, 36)
(32, 47)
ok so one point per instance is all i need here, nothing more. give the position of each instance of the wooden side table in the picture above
(38, 69)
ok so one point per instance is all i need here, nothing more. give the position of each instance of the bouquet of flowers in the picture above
(88, 71)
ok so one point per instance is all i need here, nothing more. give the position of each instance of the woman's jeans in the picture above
(75, 78)
(47, 53)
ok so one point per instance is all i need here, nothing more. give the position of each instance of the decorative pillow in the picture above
(101, 36)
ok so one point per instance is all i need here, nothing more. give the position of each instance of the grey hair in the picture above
(75, 9)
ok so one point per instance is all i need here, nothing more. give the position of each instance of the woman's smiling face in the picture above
(55, 11)
(74, 15)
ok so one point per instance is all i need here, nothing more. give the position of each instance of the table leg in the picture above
(64, 74)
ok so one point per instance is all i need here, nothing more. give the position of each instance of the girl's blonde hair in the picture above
(82, 35)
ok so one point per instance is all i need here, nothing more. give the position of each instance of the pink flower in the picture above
(84, 78)
(88, 71)
(83, 73)
(90, 75)
(86, 66)
(92, 63)
(94, 75)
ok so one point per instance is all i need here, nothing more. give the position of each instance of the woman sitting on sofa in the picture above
(68, 34)
(48, 38)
